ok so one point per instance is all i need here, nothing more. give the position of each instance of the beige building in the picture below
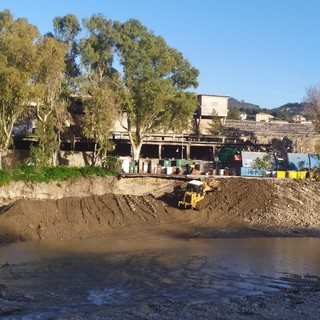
(210, 105)
(263, 117)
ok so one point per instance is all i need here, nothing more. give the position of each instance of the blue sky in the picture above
(265, 52)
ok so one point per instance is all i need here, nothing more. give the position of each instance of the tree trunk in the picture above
(136, 149)
(95, 154)
(1, 155)
(54, 158)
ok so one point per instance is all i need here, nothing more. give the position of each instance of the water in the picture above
(84, 275)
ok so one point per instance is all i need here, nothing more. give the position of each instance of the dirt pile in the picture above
(242, 207)
(268, 203)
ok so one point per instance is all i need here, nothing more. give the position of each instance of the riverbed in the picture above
(60, 278)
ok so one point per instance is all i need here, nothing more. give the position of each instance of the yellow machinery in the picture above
(195, 192)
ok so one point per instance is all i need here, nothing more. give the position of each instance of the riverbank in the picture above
(143, 210)
(100, 207)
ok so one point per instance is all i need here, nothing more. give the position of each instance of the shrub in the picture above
(4, 177)
(263, 164)
(58, 173)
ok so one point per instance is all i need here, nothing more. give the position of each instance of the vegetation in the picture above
(152, 88)
(47, 95)
(234, 114)
(49, 173)
(66, 29)
(263, 163)
(97, 88)
(215, 125)
(117, 70)
(312, 105)
(17, 62)
(284, 112)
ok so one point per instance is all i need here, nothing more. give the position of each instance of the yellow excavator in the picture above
(195, 193)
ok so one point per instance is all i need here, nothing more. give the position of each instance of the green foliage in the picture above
(263, 164)
(41, 154)
(47, 93)
(234, 114)
(66, 29)
(17, 62)
(152, 89)
(98, 171)
(4, 177)
(111, 163)
(100, 110)
(47, 173)
(281, 115)
(215, 126)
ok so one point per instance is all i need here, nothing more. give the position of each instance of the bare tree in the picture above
(312, 105)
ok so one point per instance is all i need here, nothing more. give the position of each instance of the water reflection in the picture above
(82, 274)
(263, 256)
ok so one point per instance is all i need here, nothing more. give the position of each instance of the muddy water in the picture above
(60, 278)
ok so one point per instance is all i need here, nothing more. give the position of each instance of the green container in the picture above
(131, 166)
(178, 163)
(166, 163)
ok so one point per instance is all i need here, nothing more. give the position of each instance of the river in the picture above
(85, 275)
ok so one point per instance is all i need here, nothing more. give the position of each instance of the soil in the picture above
(97, 207)
(133, 207)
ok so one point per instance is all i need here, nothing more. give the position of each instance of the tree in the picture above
(99, 98)
(215, 126)
(50, 107)
(66, 29)
(152, 90)
(263, 163)
(17, 58)
(312, 105)
(97, 49)
(100, 112)
(234, 114)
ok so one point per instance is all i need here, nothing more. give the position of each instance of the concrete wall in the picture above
(74, 158)
(208, 103)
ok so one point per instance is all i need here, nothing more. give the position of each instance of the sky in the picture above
(265, 52)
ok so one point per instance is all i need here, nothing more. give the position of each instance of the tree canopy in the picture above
(152, 91)
(17, 62)
(117, 69)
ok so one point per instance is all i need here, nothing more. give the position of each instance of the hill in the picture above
(284, 112)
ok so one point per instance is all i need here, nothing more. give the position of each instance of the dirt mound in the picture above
(242, 207)
(269, 202)
(75, 217)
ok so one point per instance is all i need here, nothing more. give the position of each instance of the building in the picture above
(210, 105)
(263, 117)
(298, 118)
